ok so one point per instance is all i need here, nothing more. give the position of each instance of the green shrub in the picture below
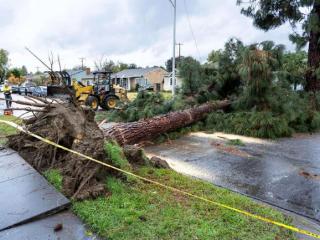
(315, 121)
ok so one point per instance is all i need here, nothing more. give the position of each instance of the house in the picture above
(84, 76)
(167, 84)
(150, 77)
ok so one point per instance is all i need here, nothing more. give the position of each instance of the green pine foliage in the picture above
(255, 124)
(150, 104)
(270, 14)
(260, 79)
(224, 75)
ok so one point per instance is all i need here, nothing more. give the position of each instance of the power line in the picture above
(192, 32)
(172, 3)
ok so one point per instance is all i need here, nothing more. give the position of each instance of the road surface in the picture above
(284, 173)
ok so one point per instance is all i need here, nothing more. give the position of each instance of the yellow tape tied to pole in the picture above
(292, 228)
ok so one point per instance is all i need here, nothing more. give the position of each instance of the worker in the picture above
(6, 89)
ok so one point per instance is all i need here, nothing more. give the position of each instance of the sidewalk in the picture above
(30, 207)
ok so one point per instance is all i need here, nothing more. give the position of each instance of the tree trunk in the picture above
(313, 83)
(135, 132)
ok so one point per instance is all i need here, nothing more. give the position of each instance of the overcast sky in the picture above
(138, 31)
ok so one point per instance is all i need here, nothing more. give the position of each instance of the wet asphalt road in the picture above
(285, 173)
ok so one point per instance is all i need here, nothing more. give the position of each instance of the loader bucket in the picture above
(59, 91)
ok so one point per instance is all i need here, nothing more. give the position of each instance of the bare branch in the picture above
(28, 109)
(27, 103)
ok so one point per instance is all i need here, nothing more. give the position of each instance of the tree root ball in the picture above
(73, 127)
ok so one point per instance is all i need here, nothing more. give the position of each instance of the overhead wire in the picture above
(191, 29)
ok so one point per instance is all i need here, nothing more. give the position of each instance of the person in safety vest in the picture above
(6, 89)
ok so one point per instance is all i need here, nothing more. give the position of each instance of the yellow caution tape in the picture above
(294, 229)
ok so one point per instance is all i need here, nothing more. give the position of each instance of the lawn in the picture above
(138, 210)
(6, 130)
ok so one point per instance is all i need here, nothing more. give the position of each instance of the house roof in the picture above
(130, 73)
(79, 74)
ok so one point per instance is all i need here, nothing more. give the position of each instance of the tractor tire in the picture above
(93, 102)
(109, 102)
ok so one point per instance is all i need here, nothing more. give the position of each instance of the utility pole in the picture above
(82, 59)
(179, 44)
(174, 4)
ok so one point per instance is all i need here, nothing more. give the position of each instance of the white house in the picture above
(150, 77)
(167, 84)
(83, 76)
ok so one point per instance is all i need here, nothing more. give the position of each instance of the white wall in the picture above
(167, 80)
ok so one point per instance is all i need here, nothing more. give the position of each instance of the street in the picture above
(284, 173)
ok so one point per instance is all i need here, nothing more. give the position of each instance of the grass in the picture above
(6, 130)
(116, 155)
(54, 177)
(235, 142)
(144, 211)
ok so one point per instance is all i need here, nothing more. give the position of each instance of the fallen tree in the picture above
(135, 132)
(73, 126)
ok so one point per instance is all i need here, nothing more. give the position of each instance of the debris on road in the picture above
(230, 149)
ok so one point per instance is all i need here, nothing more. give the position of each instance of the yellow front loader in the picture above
(103, 93)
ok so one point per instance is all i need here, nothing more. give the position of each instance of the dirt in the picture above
(308, 175)
(73, 127)
(230, 150)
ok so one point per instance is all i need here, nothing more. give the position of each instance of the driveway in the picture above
(285, 173)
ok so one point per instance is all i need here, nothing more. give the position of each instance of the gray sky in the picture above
(138, 31)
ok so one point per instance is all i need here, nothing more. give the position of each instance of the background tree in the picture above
(24, 70)
(132, 66)
(3, 64)
(104, 64)
(119, 67)
(190, 72)
(295, 67)
(259, 62)
(269, 14)
(226, 62)
(169, 63)
(16, 72)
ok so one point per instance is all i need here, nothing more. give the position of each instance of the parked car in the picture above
(15, 89)
(25, 90)
(146, 87)
(39, 91)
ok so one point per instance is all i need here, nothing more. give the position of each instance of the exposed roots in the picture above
(72, 127)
